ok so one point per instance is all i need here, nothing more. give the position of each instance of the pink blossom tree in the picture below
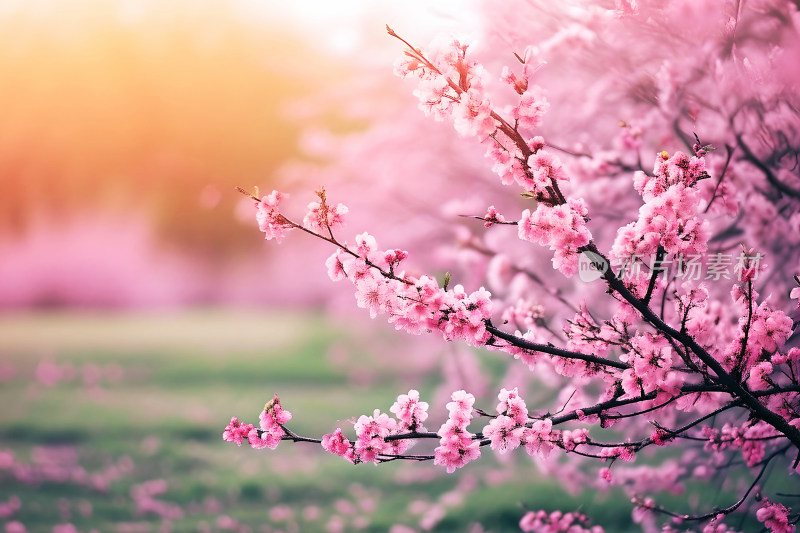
(665, 340)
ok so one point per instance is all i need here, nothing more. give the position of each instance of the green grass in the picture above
(183, 377)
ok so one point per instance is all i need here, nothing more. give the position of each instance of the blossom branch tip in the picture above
(249, 194)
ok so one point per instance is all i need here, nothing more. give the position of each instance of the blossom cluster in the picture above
(651, 361)
(371, 444)
(270, 220)
(415, 305)
(410, 412)
(668, 219)
(507, 430)
(556, 222)
(751, 438)
(321, 217)
(371, 433)
(761, 331)
(451, 84)
(457, 445)
(562, 228)
(269, 433)
(775, 516)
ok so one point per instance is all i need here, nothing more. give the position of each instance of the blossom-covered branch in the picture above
(682, 375)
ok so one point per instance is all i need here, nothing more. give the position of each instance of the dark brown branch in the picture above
(660, 252)
(552, 350)
(771, 177)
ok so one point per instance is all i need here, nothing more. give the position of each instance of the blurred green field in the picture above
(167, 386)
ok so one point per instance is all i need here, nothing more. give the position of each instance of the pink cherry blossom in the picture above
(370, 433)
(270, 220)
(492, 217)
(530, 110)
(337, 444)
(457, 446)
(320, 217)
(758, 376)
(504, 433)
(775, 517)
(541, 438)
(562, 228)
(410, 411)
(236, 431)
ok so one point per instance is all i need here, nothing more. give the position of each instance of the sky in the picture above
(346, 25)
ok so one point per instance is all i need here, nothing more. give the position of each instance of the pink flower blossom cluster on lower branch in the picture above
(270, 430)
(380, 437)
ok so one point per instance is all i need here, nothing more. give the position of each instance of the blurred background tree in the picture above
(131, 107)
